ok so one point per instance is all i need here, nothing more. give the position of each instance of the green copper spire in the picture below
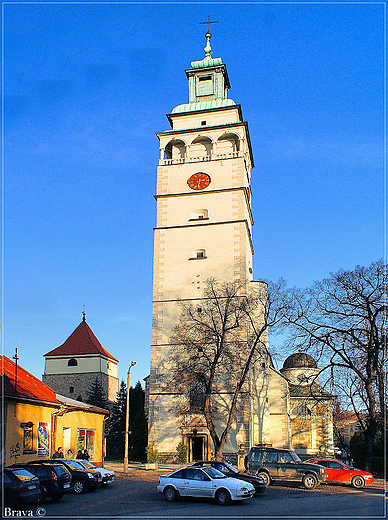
(208, 82)
(208, 49)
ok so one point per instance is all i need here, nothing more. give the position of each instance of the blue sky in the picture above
(86, 86)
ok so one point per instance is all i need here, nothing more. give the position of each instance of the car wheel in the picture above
(358, 482)
(264, 475)
(57, 498)
(310, 481)
(223, 497)
(79, 487)
(170, 494)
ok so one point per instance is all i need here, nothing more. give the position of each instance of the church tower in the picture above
(203, 227)
(72, 368)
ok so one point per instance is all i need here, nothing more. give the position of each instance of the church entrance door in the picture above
(196, 448)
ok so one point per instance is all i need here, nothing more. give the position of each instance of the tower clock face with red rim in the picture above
(199, 181)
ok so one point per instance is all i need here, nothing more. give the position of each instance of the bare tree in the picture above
(215, 345)
(342, 320)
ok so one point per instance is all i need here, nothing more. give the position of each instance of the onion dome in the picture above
(299, 360)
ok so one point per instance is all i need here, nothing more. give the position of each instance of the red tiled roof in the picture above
(27, 385)
(81, 341)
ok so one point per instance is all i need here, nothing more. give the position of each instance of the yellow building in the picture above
(37, 421)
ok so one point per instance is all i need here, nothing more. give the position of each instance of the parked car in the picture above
(83, 479)
(55, 479)
(339, 472)
(20, 486)
(229, 471)
(107, 475)
(204, 483)
(280, 464)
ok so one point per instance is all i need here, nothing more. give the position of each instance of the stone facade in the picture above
(78, 385)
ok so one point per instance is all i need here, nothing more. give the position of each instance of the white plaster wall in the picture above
(178, 210)
(85, 364)
(221, 117)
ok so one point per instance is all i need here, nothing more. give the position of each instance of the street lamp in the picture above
(127, 420)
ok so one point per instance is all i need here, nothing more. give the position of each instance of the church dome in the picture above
(299, 360)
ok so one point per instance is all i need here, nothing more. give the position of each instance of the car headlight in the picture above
(90, 475)
(243, 489)
(322, 470)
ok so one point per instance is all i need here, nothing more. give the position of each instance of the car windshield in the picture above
(86, 464)
(213, 473)
(296, 457)
(23, 474)
(230, 467)
(74, 465)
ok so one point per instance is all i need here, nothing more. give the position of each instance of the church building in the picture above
(72, 368)
(204, 230)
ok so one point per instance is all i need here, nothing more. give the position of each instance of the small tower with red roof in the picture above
(72, 368)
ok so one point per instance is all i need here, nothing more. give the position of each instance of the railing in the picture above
(182, 160)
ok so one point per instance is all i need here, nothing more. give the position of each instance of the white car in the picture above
(107, 475)
(205, 483)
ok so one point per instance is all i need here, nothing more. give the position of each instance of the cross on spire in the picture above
(208, 23)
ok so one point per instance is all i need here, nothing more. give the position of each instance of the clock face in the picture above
(199, 181)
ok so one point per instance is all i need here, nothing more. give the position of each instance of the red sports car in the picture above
(342, 474)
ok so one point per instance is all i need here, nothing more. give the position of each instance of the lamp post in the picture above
(127, 420)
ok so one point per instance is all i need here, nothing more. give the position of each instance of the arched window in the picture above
(197, 396)
(175, 149)
(228, 144)
(72, 362)
(201, 147)
(199, 214)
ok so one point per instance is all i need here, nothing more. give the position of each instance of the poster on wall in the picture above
(43, 439)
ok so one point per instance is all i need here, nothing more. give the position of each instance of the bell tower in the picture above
(204, 220)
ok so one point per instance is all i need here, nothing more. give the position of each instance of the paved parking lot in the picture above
(134, 496)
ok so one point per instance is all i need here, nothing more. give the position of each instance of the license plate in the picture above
(32, 487)
(66, 485)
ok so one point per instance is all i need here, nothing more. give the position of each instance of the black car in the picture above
(229, 471)
(281, 464)
(83, 479)
(20, 486)
(55, 479)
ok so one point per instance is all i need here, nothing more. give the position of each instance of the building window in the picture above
(71, 390)
(72, 362)
(203, 123)
(199, 214)
(198, 254)
(85, 441)
(28, 438)
(197, 396)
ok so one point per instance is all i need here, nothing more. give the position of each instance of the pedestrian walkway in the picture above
(138, 466)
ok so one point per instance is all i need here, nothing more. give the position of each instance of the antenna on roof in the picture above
(84, 314)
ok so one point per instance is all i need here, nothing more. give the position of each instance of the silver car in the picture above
(204, 483)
